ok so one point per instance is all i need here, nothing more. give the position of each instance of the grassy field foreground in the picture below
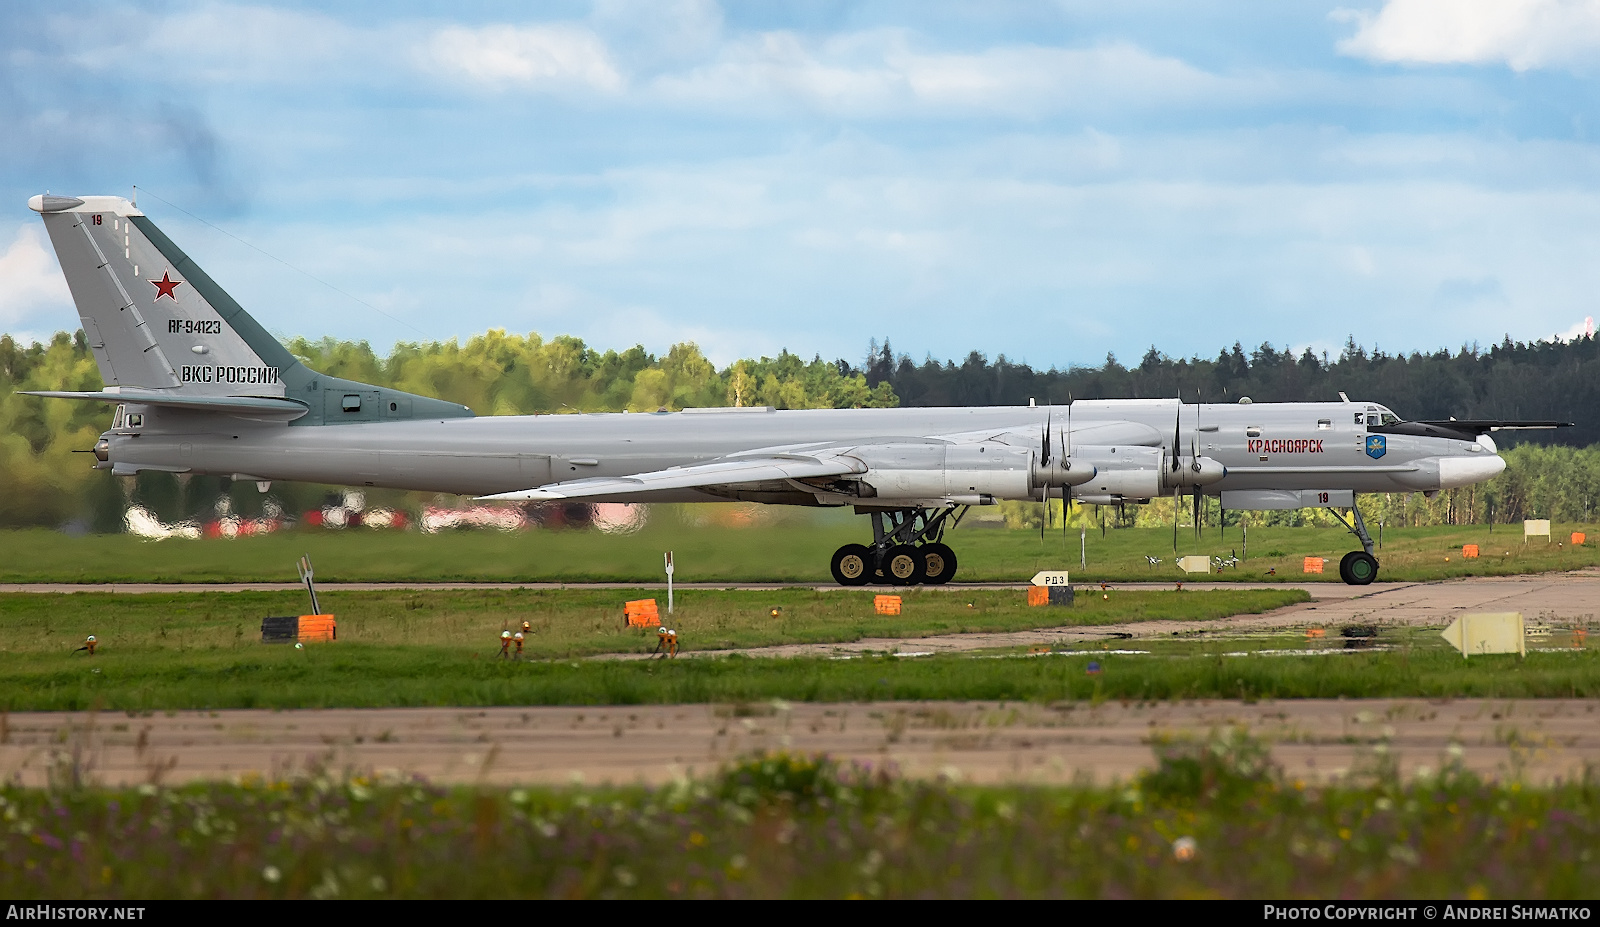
(796, 552)
(172, 650)
(1211, 820)
(169, 651)
(565, 622)
(379, 677)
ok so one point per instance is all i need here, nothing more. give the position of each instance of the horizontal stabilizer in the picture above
(257, 406)
(716, 473)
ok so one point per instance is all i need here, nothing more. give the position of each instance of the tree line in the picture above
(1512, 380)
(46, 482)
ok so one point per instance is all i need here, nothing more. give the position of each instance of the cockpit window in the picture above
(1360, 420)
(1373, 419)
(1389, 418)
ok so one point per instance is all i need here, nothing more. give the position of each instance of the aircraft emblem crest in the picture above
(1376, 446)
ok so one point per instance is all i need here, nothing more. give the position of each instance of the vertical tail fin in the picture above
(157, 323)
(153, 318)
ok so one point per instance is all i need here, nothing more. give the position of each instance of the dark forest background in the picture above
(1511, 380)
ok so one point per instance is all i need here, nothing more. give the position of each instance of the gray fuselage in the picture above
(1265, 446)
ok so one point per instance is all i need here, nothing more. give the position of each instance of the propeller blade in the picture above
(1197, 513)
(1177, 426)
(1044, 513)
(1194, 441)
(1066, 436)
(1044, 458)
(1175, 496)
(1066, 493)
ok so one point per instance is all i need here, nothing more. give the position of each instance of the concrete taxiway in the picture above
(1314, 740)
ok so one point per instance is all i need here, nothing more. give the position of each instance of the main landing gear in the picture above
(1359, 567)
(906, 550)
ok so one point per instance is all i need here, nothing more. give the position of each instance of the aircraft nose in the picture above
(1464, 471)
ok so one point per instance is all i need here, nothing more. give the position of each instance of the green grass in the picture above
(336, 676)
(759, 553)
(1215, 820)
(565, 622)
(173, 650)
(169, 651)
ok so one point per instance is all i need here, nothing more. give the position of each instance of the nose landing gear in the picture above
(1359, 567)
(906, 550)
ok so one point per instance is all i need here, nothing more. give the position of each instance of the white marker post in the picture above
(669, 582)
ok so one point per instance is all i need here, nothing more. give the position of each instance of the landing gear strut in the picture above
(1359, 567)
(906, 550)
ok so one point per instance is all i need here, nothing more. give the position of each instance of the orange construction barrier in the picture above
(1577, 538)
(886, 604)
(1313, 565)
(318, 628)
(1469, 551)
(1038, 595)
(642, 613)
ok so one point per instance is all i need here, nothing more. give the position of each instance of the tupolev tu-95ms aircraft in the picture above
(200, 387)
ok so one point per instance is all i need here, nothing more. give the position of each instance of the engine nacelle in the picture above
(1061, 471)
(925, 472)
(1191, 471)
(1120, 473)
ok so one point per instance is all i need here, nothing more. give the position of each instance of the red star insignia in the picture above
(166, 285)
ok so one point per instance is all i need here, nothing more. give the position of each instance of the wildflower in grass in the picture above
(1184, 849)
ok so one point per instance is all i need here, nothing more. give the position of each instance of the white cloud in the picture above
(220, 42)
(526, 56)
(29, 278)
(1584, 329)
(1522, 34)
(225, 43)
(678, 53)
(880, 73)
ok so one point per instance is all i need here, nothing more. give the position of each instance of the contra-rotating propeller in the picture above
(1177, 489)
(1066, 464)
(1044, 483)
(1194, 462)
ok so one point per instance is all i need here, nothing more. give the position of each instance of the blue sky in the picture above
(1051, 182)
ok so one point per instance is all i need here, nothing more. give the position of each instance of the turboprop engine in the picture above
(1191, 471)
(964, 474)
(1130, 473)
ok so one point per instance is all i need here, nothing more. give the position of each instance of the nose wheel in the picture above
(1358, 568)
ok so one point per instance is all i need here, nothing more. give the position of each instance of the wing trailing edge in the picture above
(715, 473)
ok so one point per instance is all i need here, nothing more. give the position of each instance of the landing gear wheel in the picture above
(851, 565)
(1358, 568)
(938, 564)
(903, 565)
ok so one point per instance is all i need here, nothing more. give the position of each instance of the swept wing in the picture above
(697, 476)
